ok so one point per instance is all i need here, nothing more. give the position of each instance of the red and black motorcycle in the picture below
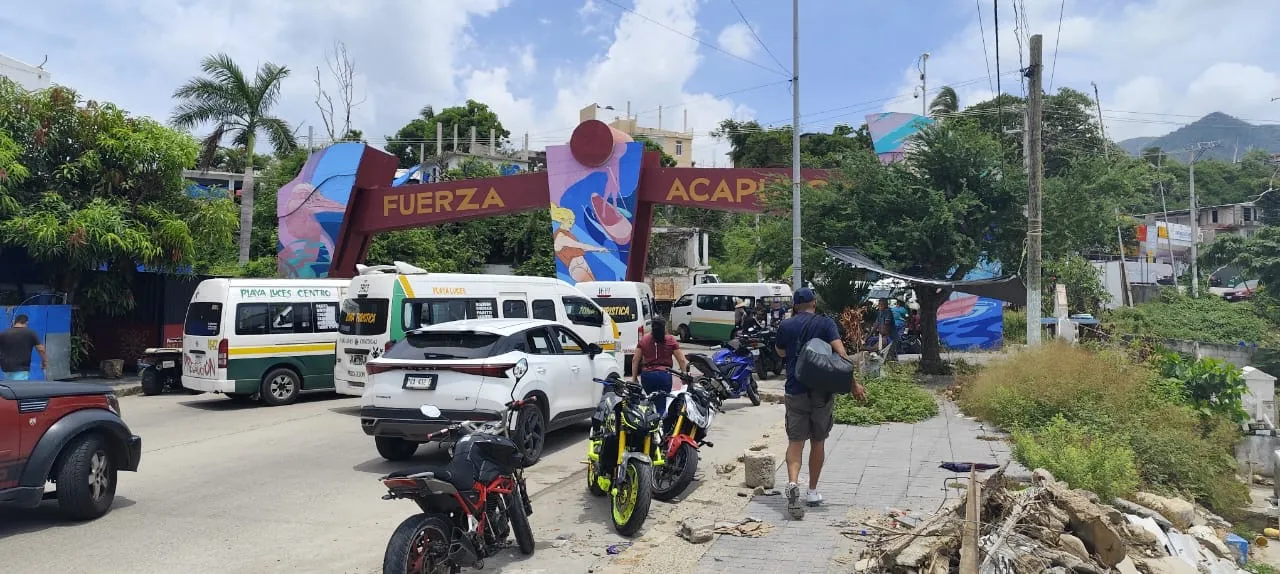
(684, 431)
(470, 505)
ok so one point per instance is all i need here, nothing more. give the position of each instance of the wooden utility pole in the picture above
(970, 532)
(1035, 180)
(1126, 296)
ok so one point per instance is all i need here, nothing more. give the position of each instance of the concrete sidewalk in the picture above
(867, 471)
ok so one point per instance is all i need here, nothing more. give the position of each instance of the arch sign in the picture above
(601, 189)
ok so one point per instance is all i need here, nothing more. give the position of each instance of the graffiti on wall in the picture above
(968, 322)
(310, 210)
(889, 133)
(593, 210)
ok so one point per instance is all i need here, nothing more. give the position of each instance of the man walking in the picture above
(16, 344)
(809, 414)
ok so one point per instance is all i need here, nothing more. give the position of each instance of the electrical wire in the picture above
(1057, 40)
(694, 38)
(752, 29)
(985, 58)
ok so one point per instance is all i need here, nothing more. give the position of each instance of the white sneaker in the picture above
(813, 498)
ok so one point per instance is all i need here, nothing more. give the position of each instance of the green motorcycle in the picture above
(625, 445)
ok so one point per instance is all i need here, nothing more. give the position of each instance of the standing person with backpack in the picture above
(653, 356)
(810, 402)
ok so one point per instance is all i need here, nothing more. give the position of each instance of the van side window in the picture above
(423, 312)
(646, 307)
(583, 312)
(326, 317)
(251, 319)
(683, 301)
(298, 320)
(544, 309)
(712, 302)
(515, 309)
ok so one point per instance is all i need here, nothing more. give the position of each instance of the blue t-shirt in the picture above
(793, 333)
(899, 316)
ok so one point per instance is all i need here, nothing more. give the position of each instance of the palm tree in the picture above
(238, 107)
(946, 102)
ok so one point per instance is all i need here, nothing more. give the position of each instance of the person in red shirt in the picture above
(653, 356)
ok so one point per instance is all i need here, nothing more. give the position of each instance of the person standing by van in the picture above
(809, 414)
(16, 344)
(653, 356)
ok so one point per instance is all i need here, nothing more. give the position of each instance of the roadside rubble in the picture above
(1047, 526)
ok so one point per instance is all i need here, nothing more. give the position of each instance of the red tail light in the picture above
(393, 483)
(222, 354)
(498, 371)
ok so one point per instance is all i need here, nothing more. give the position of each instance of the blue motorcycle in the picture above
(730, 370)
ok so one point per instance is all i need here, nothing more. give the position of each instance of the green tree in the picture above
(84, 185)
(238, 107)
(750, 145)
(650, 145)
(422, 129)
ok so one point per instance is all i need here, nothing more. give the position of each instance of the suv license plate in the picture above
(357, 360)
(167, 364)
(420, 382)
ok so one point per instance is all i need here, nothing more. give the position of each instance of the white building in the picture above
(28, 76)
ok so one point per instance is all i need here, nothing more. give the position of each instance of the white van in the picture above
(707, 312)
(385, 301)
(271, 338)
(631, 306)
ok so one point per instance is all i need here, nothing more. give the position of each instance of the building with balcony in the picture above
(677, 144)
(1242, 219)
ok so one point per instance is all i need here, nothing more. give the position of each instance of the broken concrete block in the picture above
(1180, 512)
(1167, 565)
(697, 531)
(1074, 546)
(1209, 538)
(1091, 523)
(1127, 566)
(759, 467)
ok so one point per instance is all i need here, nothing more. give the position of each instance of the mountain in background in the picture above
(1217, 126)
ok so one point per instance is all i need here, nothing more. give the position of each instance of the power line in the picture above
(757, 37)
(985, 58)
(694, 38)
(1056, 40)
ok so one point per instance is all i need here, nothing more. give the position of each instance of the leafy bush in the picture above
(1103, 464)
(1105, 396)
(1213, 386)
(1015, 327)
(1205, 319)
(892, 397)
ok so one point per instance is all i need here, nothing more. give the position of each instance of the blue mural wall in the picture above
(968, 322)
(53, 324)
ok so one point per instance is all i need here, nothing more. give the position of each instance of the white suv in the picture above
(462, 368)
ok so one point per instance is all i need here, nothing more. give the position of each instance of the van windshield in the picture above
(203, 319)
(363, 316)
(444, 345)
(622, 310)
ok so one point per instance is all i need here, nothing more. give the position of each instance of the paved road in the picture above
(231, 488)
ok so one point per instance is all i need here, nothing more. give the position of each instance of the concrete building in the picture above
(1242, 219)
(29, 77)
(677, 144)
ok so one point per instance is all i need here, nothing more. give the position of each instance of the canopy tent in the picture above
(1009, 289)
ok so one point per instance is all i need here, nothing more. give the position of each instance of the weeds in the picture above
(892, 397)
(1102, 464)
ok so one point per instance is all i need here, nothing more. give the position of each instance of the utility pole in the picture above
(311, 132)
(796, 276)
(1035, 179)
(1126, 296)
(924, 85)
(422, 161)
(1168, 231)
(1195, 152)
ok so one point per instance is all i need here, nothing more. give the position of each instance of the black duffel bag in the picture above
(820, 369)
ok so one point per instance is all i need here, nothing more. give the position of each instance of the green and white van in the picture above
(385, 301)
(269, 338)
(707, 312)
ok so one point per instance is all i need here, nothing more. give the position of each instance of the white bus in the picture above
(631, 306)
(267, 338)
(385, 301)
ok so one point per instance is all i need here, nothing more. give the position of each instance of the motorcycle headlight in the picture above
(633, 417)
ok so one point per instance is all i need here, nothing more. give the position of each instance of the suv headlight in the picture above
(113, 403)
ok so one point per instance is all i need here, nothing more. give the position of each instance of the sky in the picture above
(1157, 64)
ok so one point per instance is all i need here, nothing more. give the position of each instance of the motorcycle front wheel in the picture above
(672, 478)
(420, 544)
(630, 506)
(753, 392)
(520, 521)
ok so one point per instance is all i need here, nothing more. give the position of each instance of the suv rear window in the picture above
(622, 310)
(363, 316)
(203, 319)
(445, 345)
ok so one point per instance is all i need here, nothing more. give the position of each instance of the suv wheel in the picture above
(86, 480)
(151, 383)
(531, 433)
(280, 387)
(395, 448)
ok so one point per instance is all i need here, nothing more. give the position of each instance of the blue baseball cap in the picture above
(803, 295)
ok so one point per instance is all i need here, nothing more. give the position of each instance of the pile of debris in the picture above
(1049, 527)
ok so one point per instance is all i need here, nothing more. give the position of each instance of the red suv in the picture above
(67, 433)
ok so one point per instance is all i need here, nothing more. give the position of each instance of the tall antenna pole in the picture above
(1035, 179)
(796, 276)
(924, 85)
(1195, 213)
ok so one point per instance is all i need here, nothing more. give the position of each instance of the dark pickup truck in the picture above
(67, 433)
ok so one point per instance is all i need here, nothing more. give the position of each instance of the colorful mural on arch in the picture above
(593, 207)
(310, 210)
(889, 133)
(970, 323)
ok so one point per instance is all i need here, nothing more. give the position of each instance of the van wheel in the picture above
(280, 387)
(395, 448)
(151, 384)
(683, 331)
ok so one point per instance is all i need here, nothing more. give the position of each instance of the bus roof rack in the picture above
(399, 267)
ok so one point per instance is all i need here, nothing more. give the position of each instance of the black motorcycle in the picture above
(469, 506)
(624, 448)
(684, 431)
(765, 341)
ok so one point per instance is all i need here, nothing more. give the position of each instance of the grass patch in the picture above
(892, 397)
(1082, 413)
(1015, 327)
(1206, 319)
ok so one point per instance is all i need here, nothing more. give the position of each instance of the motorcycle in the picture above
(684, 431)
(765, 341)
(160, 368)
(625, 446)
(469, 506)
(730, 370)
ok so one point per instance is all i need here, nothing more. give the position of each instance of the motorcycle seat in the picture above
(460, 474)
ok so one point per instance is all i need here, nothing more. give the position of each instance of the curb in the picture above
(128, 390)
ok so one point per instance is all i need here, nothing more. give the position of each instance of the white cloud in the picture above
(736, 39)
(528, 64)
(1165, 58)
